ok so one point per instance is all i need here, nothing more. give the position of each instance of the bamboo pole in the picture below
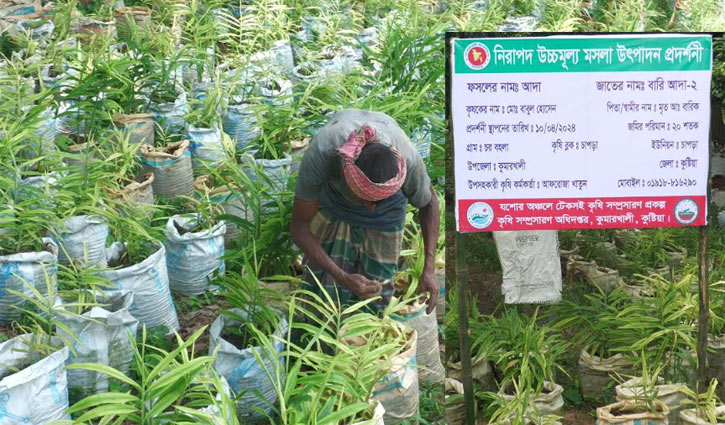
(464, 331)
(704, 313)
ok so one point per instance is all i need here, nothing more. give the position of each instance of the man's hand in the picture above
(429, 284)
(429, 223)
(361, 286)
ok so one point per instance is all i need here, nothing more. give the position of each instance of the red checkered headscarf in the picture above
(356, 180)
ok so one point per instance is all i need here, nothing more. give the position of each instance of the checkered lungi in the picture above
(356, 250)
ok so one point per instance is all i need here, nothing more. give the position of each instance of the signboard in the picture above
(574, 132)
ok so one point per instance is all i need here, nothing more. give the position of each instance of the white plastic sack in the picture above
(313, 27)
(690, 417)
(149, 281)
(41, 188)
(240, 124)
(242, 370)
(549, 402)
(428, 353)
(138, 127)
(398, 390)
(54, 81)
(597, 374)
(278, 58)
(102, 336)
(716, 359)
(44, 129)
(205, 145)
(213, 410)
(378, 415)
(275, 91)
(173, 175)
(191, 258)
(37, 394)
(369, 37)
(422, 138)
(669, 394)
(317, 70)
(519, 24)
(531, 266)
(19, 271)
(12, 11)
(41, 33)
(455, 405)
(229, 201)
(170, 116)
(82, 240)
(276, 172)
(441, 306)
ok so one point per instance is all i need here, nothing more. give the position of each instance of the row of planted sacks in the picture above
(34, 382)
(255, 372)
(183, 264)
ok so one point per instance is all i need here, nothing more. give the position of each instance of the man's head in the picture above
(373, 171)
(378, 162)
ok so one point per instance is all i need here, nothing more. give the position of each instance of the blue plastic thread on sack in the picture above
(240, 125)
(4, 399)
(57, 397)
(412, 364)
(174, 257)
(239, 372)
(7, 271)
(157, 280)
(215, 249)
(27, 10)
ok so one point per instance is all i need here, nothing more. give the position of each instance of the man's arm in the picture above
(302, 214)
(429, 217)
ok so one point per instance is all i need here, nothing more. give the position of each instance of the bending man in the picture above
(355, 181)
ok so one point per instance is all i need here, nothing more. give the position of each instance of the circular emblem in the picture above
(686, 211)
(480, 215)
(477, 56)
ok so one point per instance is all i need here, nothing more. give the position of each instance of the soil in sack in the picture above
(137, 192)
(171, 167)
(194, 252)
(32, 390)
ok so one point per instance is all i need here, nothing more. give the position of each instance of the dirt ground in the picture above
(191, 320)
